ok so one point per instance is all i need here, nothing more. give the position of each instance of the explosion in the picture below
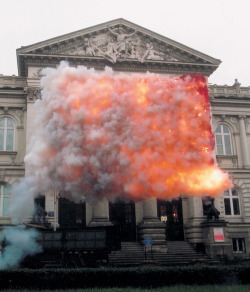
(106, 134)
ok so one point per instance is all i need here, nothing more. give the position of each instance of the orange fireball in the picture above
(142, 134)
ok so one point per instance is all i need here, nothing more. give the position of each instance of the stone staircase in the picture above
(174, 253)
(131, 254)
(178, 253)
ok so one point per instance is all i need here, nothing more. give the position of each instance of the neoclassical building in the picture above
(127, 47)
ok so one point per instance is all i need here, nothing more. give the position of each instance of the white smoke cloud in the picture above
(101, 134)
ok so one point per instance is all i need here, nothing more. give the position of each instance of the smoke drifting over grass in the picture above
(103, 134)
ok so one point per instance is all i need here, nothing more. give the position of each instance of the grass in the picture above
(182, 288)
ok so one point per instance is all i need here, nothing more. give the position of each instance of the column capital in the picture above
(33, 93)
(223, 117)
(242, 117)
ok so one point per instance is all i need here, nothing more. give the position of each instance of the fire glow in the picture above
(103, 134)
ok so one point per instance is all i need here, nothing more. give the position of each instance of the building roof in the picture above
(120, 44)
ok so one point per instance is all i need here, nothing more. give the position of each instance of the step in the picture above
(168, 253)
(121, 255)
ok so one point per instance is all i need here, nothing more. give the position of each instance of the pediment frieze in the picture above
(119, 44)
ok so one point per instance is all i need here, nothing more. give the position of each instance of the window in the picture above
(6, 134)
(238, 245)
(223, 140)
(4, 201)
(231, 202)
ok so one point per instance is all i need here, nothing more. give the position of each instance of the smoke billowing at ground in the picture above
(103, 134)
(19, 242)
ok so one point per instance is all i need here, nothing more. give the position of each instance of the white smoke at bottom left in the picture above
(18, 243)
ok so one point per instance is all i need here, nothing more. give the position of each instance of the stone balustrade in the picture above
(229, 91)
(12, 81)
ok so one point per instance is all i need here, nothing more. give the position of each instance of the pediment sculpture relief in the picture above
(33, 93)
(117, 45)
(38, 73)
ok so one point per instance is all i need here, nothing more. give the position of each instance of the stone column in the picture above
(32, 95)
(192, 227)
(243, 142)
(151, 226)
(150, 208)
(100, 216)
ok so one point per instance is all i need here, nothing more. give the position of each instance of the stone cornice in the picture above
(11, 94)
(14, 107)
(235, 171)
(231, 103)
(127, 66)
(96, 59)
(230, 115)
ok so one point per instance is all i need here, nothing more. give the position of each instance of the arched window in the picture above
(223, 140)
(231, 202)
(7, 134)
(5, 196)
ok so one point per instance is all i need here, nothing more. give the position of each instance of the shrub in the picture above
(146, 276)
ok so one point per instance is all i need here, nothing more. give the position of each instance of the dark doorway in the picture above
(122, 215)
(39, 201)
(72, 215)
(171, 214)
(39, 214)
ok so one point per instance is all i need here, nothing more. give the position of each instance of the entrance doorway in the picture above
(71, 215)
(171, 214)
(122, 215)
(39, 214)
(39, 201)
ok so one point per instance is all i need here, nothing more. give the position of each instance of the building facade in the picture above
(127, 47)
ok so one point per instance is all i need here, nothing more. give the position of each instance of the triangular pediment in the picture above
(118, 41)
